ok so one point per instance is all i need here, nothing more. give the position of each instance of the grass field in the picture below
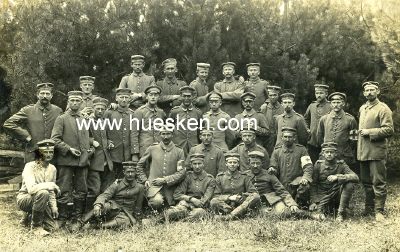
(257, 234)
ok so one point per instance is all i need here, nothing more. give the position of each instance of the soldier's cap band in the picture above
(253, 64)
(75, 94)
(288, 96)
(197, 156)
(230, 64)
(289, 129)
(337, 96)
(274, 88)
(321, 87)
(371, 83)
(137, 57)
(170, 61)
(123, 91)
(100, 101)
(153, 88)
(128, 164)
(47, 85)
(46, 144)
(87, 78)
(248, 95)
(203, 65)
(214, 95)
(257, 154)
(187, 88)
(232, 155)
(329, 145)
(207, 130)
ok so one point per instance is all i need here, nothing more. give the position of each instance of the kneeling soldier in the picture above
(121, 204)
(332, 183)
(234, 192)
(38, 192)
(194, 193)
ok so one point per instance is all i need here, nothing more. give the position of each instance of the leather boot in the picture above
(36, 225)
(79, 206)
(110, 224)
(369, 202)
(26, 219)
(89, 203)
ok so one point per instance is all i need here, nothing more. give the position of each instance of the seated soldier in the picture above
(121, 203)
(272, 193)
(292, 165)
(37, 195)
(332, 183)
(194, 193)
(234, 192)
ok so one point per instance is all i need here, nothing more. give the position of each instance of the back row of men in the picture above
(89, 161)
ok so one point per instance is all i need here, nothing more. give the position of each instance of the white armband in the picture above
(305, 160)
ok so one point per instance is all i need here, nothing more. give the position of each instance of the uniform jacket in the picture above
(269, 186)
(293, 120)
(258, 87)
(291, 163)
(199, 186)
(201, 91)
(336, 128)
(229, 184)
(313, 113)
(262, 124)
(67, 135)
(320, 186)
(101, 156)
(122, 138)
(270, 110)
(137, 82)
(122, 196)
(163, 162)
(169, 88)
(376, 118)
(146, 134)
(35, 121)
(231, 92)
(219, 135)
(214, 158)
(244, 150)
(184, 137)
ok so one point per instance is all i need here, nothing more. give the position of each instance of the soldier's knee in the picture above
(42, 195)
(348, 187)
(157, 201)
(279, 208)
(198, 212)
(214, 203)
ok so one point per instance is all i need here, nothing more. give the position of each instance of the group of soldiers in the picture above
(287, 164)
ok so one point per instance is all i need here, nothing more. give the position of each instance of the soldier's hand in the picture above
(158, 181)
(364, 132)
(313, 207)
(135, 157)
(110, 145)
(147, 184)
(272, 170)
(95, 144)
(304, 181)
(75, 152)
(97, 210)
(332, 178)
(196, 202)
(113, 106)
(294, 209)
(54, 212)
(28, 139)
(235, 198)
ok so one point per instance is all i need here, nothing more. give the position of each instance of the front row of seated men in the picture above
(188, 195)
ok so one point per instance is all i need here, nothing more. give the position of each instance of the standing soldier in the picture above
(122, 145)
(256, 85)
(87, 87)
(214, 159)
(137, 81)
(230, 89)
(170, 86)
(336, 127)
(34, 123)
(291, 119)
(74, 149)
(292, 165)
(167, 169)
(314, 112)
(194, 193)
(332, 183)
(270, 109)
(121, 203)
(37, 196)
(249, 113)
(145, 134)
(188, 117)
(201, 87)
(376, 125)
(101, 172)
(217, 119)
(248, 145)
(234, 193)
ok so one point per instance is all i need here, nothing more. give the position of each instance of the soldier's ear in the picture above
(378, 91)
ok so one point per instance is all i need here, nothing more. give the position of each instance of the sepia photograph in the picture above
(199, 125)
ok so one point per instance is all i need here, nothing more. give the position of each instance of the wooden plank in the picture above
(9, 187)
(11, 169)
(12, 153)
(16, 180)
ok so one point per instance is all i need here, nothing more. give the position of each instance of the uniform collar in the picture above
(190, 108)
(251, 147)
(287, 149)
(290, 114)
(87, 97)
(122, 110)
(155, 109)
(200, 177)
(137, 75)
(235, 175)
(334, 115)
(126, 183)
(228, 81)
(204, 148)
(248, 114)
(371, 104)
(201, 81)
(255, 80)
(322, 103)
(167, 148)
(41, 107)
(215, 113)
(72, 113)
(171, 81)
(276, 105)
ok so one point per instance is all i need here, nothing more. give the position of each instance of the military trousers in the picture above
(338, 197)
(300, 193)
(72, 183)
(38, 202)
(186, 211)
(98, 181)
(373, 177)
(236, 209)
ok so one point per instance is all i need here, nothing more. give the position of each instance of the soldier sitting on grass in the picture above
(121, 203)
(332, 183)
